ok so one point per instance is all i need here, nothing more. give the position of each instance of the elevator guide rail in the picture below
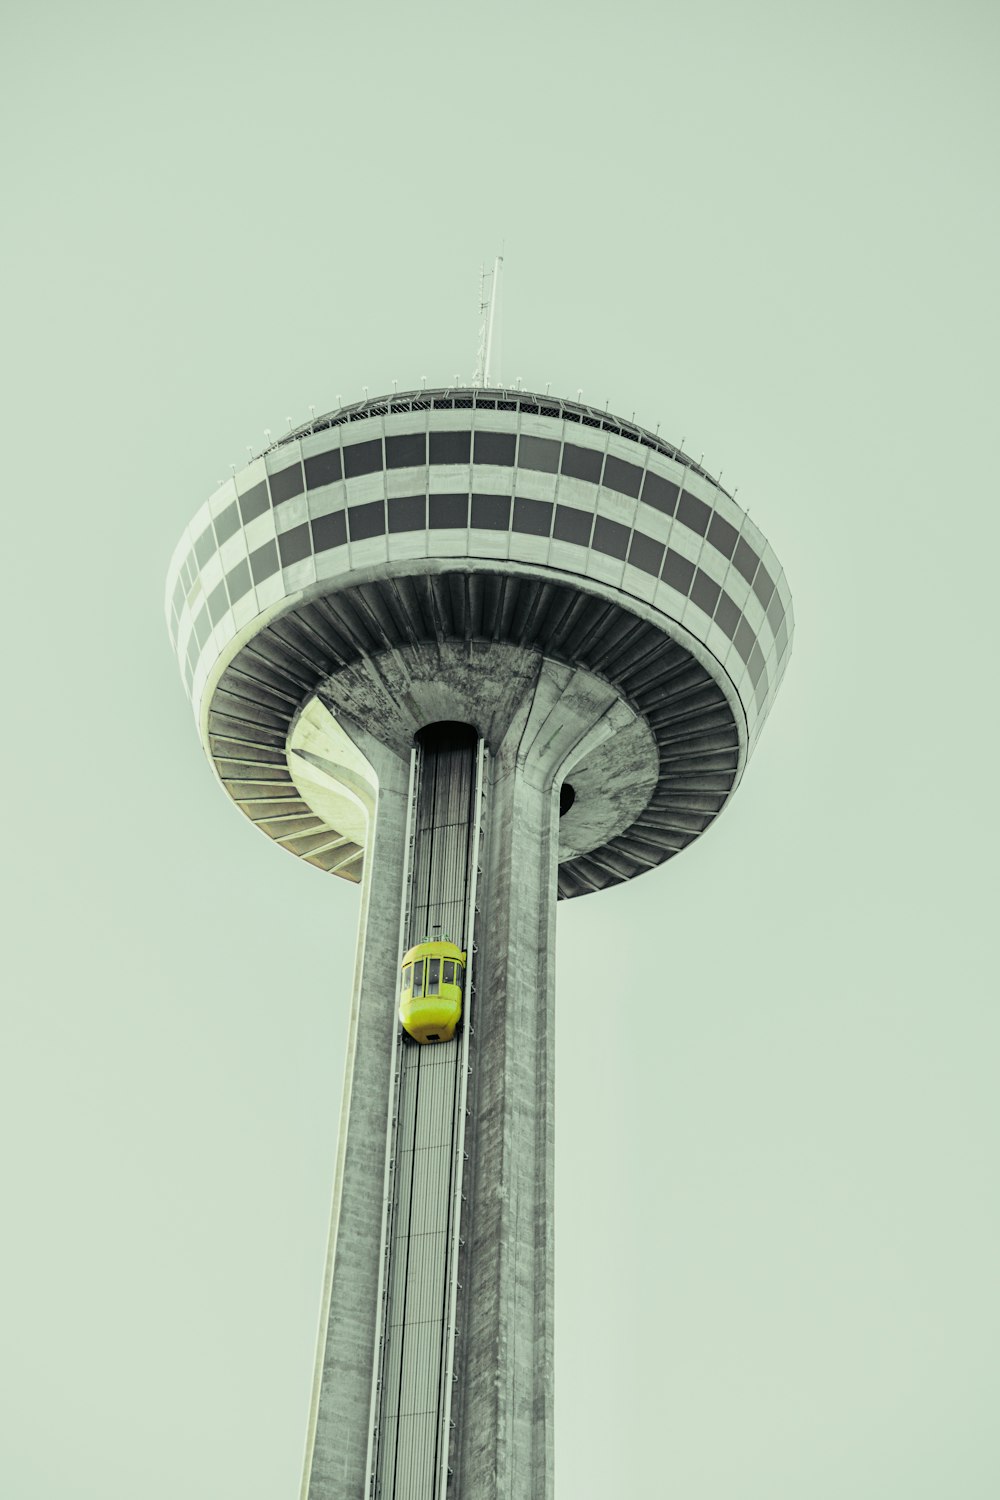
(415, 1364)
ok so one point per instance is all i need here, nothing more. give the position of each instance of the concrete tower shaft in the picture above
(596, 610)
(542, 716)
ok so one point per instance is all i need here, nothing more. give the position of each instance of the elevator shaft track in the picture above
(411, 1402)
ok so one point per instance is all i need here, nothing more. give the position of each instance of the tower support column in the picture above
(504, 1411)
(504, 1435)
(340, 1414)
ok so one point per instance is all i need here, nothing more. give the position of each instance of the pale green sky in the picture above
(773, 230)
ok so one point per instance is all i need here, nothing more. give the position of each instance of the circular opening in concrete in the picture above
(567, 797)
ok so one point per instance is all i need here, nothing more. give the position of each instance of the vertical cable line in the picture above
(445, 1341)
(435, 828)
(463, 1072)
(406, 1279)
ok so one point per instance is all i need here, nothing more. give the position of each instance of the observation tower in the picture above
(473, 649)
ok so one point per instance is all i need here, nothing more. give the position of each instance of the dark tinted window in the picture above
(727, 615)
(610, 537)
(294, 545)
(763, 586)
(418, 977)
(179, 595)
(532, 516)
(366, 520)
(264, 561)
(756, 664)
(239, 580)
(286, 483)
(781, 639)
(745, 559)
(448, 971)
(694, 513)
(645, 553)
(407, 451)
(582, 463)
(705, 591)
(744, 639)
(323, 468)
(407, 513)
(495, 448)
(363, 458)
(254, 502)
(218, 603)
(407, 976)
(618, 475)
(538, 453)
(572, 525)
(660, 493)
(204, 547)
(775, 611)
(448, 510)
(433, 975)
(677, 571)
(329, 531)
(492, 512)
(761, 694)
(202, 627)
(722, 536)
(450, 447)
(227, 523)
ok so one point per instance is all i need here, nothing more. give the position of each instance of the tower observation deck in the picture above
(474, 650)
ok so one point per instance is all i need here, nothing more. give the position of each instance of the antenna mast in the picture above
(488, 321)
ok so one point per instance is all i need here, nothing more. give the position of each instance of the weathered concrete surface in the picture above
(384, 631)
(614, 768)
(337, 1439)
(504, 1403)
(504, 1409)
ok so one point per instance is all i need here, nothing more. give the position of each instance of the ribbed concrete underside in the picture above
(260, 691)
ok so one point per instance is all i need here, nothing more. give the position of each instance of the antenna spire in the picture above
(488, 357)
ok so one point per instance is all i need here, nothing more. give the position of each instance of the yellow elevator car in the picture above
(430, 1002)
